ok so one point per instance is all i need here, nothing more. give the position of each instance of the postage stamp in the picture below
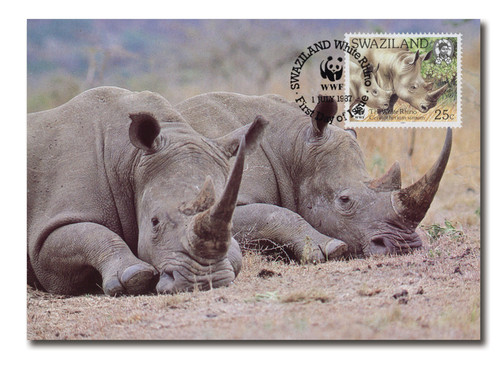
(403, 80)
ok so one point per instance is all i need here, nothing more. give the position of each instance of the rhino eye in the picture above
(155, 221)
(344, 199)
(345, 204)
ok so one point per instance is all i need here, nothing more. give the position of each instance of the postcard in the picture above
(254, 179)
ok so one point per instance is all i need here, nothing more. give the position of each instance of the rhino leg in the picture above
(73, 255)
(258, 221)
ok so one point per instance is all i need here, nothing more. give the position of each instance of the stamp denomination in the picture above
(403, 80)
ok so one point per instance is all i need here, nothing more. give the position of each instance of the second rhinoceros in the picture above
(306, 187)
(400, 71)
(375, 96)
(124, 196)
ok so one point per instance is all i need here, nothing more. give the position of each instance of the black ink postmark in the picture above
(319, 72)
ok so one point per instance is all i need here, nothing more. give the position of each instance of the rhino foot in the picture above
(113, 287)
(316, 253)
(139, 278)
(136, 279)
(334, 249)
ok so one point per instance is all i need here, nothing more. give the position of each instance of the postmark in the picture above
(318, 73)
(412, 80)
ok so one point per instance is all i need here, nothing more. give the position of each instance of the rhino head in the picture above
(411, 87)
(337, 197)
(377, 97)
(184, 203)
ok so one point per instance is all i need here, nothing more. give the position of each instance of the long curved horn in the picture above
(390, 181)
(434, 95)
(212, 227)
(413, 202)
(223, 209)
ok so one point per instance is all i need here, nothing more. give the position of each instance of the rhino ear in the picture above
(427, 56)
(352, 132)
(417, 55)
(143, 131)
(252, 132)
(322, 114)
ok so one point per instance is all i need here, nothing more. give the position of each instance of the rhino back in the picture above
(216, 114)
(80, 162)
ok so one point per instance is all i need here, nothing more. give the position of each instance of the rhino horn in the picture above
(412, 202)
(203, 200)
(223, 209)
(212, 227)
(434, 95)
(390, 181)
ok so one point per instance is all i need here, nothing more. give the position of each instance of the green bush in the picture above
(443, 73)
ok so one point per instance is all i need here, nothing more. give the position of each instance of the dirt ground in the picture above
(431, 294)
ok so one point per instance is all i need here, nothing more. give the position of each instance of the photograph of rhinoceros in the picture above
(134, 189)
(177, 191)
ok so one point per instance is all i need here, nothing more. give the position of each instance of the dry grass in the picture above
(430, 294)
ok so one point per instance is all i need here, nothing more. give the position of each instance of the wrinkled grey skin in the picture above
(306, 187)
(125, 196)
(400, 71)
(377, 97)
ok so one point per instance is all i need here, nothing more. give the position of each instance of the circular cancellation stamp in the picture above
(382, 80)
(318, 74)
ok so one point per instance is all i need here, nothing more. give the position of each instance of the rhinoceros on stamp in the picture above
(375, 96)
(400, 71)
(123, 195)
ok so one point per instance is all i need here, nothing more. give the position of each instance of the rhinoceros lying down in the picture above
(124, 194)
(306, 187)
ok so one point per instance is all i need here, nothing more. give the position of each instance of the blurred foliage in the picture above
(177, 58)
(180, 58)
(378, 164)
